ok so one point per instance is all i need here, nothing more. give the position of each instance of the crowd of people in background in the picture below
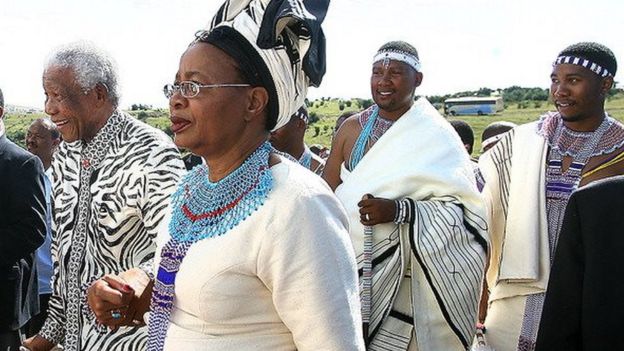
(394, 238)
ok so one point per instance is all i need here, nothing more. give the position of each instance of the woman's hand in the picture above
(37, 343)
(109, 299)
(120, 300)
(376, 210)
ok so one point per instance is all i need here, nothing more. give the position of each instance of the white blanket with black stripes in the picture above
(438, 260)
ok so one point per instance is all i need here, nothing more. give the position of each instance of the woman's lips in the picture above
(178, 124)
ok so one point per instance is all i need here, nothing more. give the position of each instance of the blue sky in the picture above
(464, 45)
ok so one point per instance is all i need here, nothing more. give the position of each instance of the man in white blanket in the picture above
(529, 177)
(417, 221)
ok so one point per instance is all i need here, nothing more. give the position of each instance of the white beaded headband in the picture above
(592, 66)
(396, 55)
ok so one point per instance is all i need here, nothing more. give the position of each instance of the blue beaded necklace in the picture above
(203, 209)
(360, 144)
(306, 158)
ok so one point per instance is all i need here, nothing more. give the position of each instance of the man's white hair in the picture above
(91, 66)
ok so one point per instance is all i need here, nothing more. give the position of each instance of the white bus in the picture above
(473, 105)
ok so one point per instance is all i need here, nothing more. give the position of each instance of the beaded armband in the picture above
(402, 214)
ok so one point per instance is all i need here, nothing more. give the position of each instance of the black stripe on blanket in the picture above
(381, 258)
(445, 313)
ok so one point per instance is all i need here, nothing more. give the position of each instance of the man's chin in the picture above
(569, 118)
(69, 138)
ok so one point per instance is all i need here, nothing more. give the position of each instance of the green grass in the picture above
(17, 125)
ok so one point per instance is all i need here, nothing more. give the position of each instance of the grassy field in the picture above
(320, 132)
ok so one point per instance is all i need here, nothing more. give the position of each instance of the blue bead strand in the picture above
(360, 144)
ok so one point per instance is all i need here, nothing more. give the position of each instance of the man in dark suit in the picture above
(22, 231)
(585, 299)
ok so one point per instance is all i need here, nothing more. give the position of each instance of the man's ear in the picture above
(301, 124)
(257, 101)
(55, 143)
(101, 94)
(418, 79)
(607, 84)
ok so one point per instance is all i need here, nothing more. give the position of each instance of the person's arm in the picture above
(337, 155)
(310, 268)
(25, 229)
(560, 326)
(53, 330)
(129, 293)
(162, 173)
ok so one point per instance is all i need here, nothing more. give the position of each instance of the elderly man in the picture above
(417, 221)
(22, 230)
(112, 178)
(289, 139)
(529, 177)
(42, 139)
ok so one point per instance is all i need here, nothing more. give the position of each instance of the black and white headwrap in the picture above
(591, 55)
(398, 55)
(592, 66)
(278, 44)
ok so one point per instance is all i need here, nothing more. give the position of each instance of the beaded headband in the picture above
(302, 114)
(397, 55)
(592, 66)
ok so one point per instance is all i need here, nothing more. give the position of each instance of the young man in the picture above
(493, 133)
(466, 134)
(417, 221)
(529, 176)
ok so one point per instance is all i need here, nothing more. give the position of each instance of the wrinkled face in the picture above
(577, 92)
(69, 106)
(210, 123)
(393, 85)
(287, 135)
(39, 141)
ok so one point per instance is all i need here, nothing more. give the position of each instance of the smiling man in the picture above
(529, 177)
(406, 182)
(112, 177)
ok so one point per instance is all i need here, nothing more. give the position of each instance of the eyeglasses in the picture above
(190, 89)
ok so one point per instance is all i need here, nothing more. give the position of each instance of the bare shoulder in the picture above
(341, 147)
(350, 129)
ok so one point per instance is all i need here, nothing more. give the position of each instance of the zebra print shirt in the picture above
(109, 196)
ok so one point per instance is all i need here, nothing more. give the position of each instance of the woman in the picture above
(257, 254)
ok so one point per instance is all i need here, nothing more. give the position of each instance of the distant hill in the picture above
(22, 109)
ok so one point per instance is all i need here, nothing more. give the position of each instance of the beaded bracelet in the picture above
(402, 213)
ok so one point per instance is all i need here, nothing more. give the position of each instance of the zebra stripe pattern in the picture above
(109, 197)
(592, 66)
